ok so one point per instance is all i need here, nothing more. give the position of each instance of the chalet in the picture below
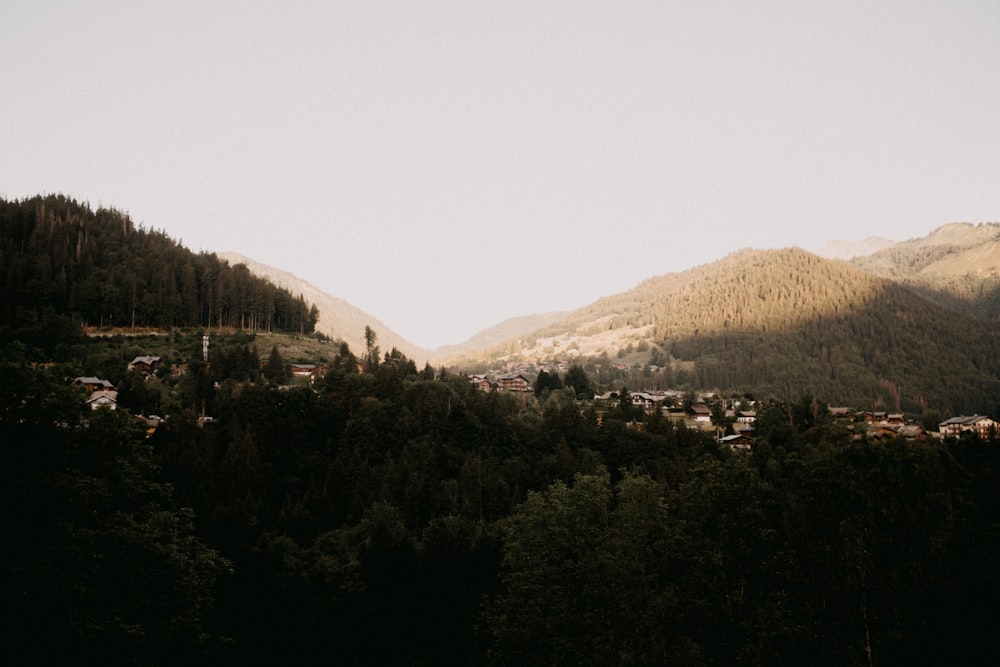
(737, 441)
(144, 365)
(979, 424)
(746, 416)
(514, 382)
(103, 399)
(896, 418)
(700, 412)
(93, 384)
(309, 370)
(876, 417)
(481, 382)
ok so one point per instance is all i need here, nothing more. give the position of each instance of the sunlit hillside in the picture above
(785, 322)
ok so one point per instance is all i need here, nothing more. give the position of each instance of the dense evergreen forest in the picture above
(63, 266)
(398, 517)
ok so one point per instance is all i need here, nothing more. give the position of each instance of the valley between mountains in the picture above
(901, 325)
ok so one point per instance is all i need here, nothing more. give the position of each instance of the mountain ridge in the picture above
(875, 255)
(909, 325)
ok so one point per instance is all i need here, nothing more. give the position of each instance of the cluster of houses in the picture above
(876, 425)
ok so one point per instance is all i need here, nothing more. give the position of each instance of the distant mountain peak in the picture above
(847, 250)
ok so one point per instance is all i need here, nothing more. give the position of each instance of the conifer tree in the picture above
(275, 369)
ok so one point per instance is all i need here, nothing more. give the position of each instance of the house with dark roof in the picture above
(513, 382)
(737, 441)
(144, 365)
(306, 370)
(92, 384)
(481, 382)
(700, 412)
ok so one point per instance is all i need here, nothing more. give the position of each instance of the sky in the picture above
(447, 165)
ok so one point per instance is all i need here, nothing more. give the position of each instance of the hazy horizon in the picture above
(420, 160)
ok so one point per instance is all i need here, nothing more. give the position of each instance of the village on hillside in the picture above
(730, 419)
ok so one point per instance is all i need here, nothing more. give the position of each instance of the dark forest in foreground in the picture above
(397, 517)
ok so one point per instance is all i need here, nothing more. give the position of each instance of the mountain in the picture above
(956, 265)
(783, 322)
(850, 249)
(911, 326)
(337, 318)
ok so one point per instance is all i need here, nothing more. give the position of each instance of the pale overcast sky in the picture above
(446, 165)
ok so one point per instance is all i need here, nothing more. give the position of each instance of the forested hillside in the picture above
(65, 265)
(400, 517)
(787, 322)
(231, 513)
